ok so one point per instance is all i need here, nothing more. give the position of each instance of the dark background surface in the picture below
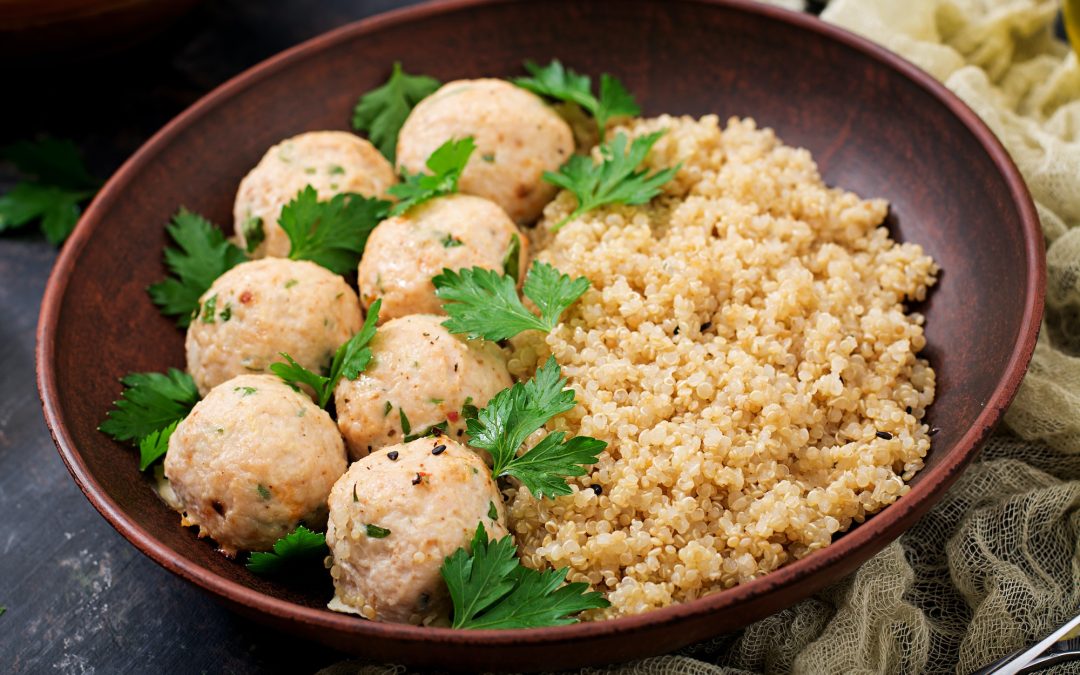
(78, 598)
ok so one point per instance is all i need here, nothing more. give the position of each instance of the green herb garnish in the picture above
(55, 183)
(208, 309)
(445, 164)
(154, 445)
(555, 81)
(406, 428)
(203, 256)
(264, 492)
(450, 241)
(615, 180)
(150, 403)
(490, 588)
(253, 232)
(493, 513)
(513, 414)
(376, 532)
(382, 111)
(484, 303)
(331, 233)
(512, 259)
(349, 361)
(301, 546)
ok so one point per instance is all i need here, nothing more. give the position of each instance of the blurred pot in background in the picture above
(45, 30)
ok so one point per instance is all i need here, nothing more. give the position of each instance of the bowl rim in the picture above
(885, 524)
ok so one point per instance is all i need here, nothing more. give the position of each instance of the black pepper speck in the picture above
(884, 435)
(417, 480)
(393, 455)
(438, 449)
(597, 490)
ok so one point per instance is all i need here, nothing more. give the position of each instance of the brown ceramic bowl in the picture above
(875, 124)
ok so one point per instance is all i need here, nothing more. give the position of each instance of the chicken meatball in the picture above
(332, 162)
(420, 375)
(404, 252)
(261, 308)
(395, 516)
(253, 460)
(518, 137)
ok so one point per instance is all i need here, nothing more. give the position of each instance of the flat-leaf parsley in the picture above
(203, 256)
(382, 111)
(484, 303)
(298, 547)
(615, 180)
(150, 403)
(445, 164)
(55, 181)
(490, 588)
(514, 414)
(332, 233)
(557, 82)
(349, 361)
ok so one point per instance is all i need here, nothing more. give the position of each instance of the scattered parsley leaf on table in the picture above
(299, 546)
(561, 83)
(150, 403)
(615, 180)
(446, 165)
(382, 111)
(518, 411)
(56, 183)
(484, 303)
(489, 588)
(203, 256)
(332, 233)
(349, 361)
(154, 446)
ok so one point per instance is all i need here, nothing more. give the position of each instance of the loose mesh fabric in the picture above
(996, 564)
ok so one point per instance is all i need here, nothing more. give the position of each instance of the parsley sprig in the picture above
(491, 589)
(55, 183)
(349, 361)
(203, 255)
(513, 414)
(150, 403)
(615, 180)
(331, 233)
(154, 446)
(382, 111)
(484, 303)
(301, 546)
(557, 82)
(446, 165)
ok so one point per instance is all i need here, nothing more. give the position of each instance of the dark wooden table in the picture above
(77, 597)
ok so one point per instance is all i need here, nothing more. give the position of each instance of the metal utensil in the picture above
(1060, 646)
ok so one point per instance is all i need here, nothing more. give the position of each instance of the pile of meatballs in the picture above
(256, 458)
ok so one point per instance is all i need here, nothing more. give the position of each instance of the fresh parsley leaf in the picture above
(382, 111)
(376, 532)
(490, 588)
(331, 233)
(349, 361)
(299, 547)
(484, 303)
(57, 182)
(150, 403)
(493, 513)
(615, 180)
(154, 446)
(557, 82)
(512, 259)
(254, 233)
(406, 428)
(514, 414)
(445, 164)
(203, 256)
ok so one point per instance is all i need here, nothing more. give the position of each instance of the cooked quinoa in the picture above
(745, 352)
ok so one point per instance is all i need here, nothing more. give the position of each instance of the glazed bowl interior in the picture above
(874, 124)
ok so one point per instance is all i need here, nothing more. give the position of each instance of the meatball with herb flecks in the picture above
(518, 137)
(404, 252)
(332, 162)
(253, 460)
(395, 516)
(420, 376)
(259, 309)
